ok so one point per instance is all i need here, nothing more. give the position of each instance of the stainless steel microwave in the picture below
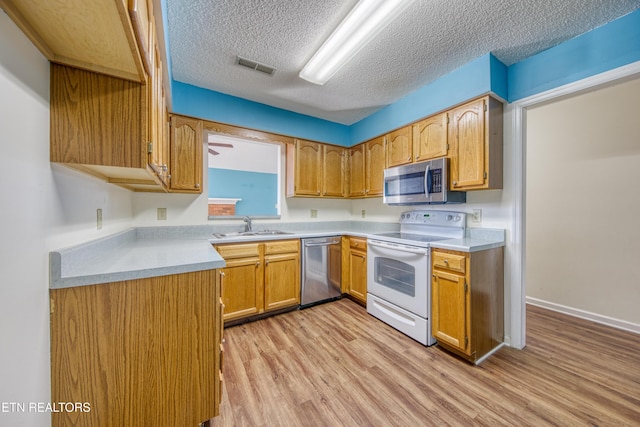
(420, 183)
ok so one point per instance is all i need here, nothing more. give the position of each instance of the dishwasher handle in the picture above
(314, 242)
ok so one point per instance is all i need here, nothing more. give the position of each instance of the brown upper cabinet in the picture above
(186, 155)
(99, 125)
(96, 35)
(357, 171)
(109, 115)
(334, 171)
(315, 170)
(400, 147)
(366, 168)
(374, 166)
(304, 166)
(430, 138)
(475, 138)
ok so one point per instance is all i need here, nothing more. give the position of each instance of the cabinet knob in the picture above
(455, 182)
(222, 274)
(164, 168)
(446, 261)
(417, 157)
(258, 264)
(409, 159)
(197, 185)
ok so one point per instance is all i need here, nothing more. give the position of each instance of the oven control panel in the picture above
(436, 218)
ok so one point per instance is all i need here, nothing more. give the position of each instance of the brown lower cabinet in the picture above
(137, 352)
(354, 265)
(468, 301)
(259, 277)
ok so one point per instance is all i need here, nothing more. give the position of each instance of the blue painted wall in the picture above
(469, 81)
(257, 190)
(602, 49)
(207, 104)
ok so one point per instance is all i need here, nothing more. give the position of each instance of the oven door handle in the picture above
(421, 251)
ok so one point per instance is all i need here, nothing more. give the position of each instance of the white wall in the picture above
(44, 207)
(583, 202)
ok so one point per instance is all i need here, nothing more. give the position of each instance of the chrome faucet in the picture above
(247, 223)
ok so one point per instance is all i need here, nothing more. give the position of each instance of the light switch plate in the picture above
(476, 216)
(314, 213)
(99, 218)
(162, 214)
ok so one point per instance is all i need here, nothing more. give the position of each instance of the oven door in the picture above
(399, 274)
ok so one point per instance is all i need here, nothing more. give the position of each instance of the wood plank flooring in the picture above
(335, 365)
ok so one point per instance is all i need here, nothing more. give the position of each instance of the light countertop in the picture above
(129, 258)
(158, 251)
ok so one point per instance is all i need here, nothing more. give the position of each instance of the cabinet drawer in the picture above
(449, 261)
(358, 243)
(281, 247)
(238, 250)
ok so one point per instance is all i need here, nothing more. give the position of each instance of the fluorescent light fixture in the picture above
(362, 24)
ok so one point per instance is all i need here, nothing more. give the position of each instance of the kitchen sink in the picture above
(250, 233)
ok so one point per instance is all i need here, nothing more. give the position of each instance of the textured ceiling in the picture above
(430, 39)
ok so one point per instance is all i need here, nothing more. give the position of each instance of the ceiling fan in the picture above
(217, 144)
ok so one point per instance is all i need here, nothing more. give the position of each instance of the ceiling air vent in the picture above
(255, 66)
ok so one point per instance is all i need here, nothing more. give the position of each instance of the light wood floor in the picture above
(335, 365)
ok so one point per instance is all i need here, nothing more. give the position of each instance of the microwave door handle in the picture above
(427, 181)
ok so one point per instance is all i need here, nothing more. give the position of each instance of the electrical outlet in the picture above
(476, 216)
(314, 213)
(99, 218)
(162, 214)
(363, 213)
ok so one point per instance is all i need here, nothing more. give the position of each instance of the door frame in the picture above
(518, 111)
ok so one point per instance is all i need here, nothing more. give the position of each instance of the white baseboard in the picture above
(594, 317)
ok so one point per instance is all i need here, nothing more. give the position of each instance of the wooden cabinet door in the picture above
(308, 165)
(358, 275)
(242, 287)
(375, 161)
(430, 138)
(281, 281)
(186, 155)
(450, 310)
(157, 138)
(141, 14)
(357, 171)
(333, 171)
(467, 139)
(400, 147)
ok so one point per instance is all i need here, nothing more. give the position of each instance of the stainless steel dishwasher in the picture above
(321, 270)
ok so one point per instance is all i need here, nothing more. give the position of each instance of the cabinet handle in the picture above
(409, 159)
(197, 185)
(165, 168)
(266, 263)
(417, 157)
(446, 261)
(222, 274)
(318, 193)
(455, 182)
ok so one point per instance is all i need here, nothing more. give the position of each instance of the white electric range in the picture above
(399, 270)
